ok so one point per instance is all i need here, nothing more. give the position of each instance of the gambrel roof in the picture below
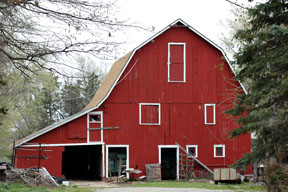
(113, 77)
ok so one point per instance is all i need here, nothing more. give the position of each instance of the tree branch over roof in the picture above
(33, 34)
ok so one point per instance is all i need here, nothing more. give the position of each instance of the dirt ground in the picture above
(92, 184)
(114, 187)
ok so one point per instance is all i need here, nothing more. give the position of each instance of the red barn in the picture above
(169, 93)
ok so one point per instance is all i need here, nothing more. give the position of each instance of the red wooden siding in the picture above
(145, 80)
(149, 114)
(176, 62)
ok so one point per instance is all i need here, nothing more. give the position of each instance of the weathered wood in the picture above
(104, 128)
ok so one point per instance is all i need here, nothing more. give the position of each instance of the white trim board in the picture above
(177, 156)
(88, 124)
(49, 128)
(62, 144)
(107, 155)
(151, 104)
(184, 61)
(196, 149)
(223, 150)
(214, 114)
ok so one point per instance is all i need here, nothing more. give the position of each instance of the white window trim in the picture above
(196, 149)
(159, 113)
(107, 155)
(88, 126)
(177, 156)
(215, 155)
(214, 113)
(184, 62)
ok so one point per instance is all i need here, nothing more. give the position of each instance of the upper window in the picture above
(149, 114)
(192, 149)
(209, 114)
(176, 62)
(95, 117)
(219, 150)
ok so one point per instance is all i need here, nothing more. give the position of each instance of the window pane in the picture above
(95, 118)
(192, 150)
(219, 151)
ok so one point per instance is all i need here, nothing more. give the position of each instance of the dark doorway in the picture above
(82, 162)
(117, 157)
(168, 163)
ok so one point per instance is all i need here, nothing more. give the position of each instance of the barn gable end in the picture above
(172, 88)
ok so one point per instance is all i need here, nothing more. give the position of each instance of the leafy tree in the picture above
(76, 94)
(262, 62)
(38, 104)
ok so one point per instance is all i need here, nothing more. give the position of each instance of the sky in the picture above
(206, 16)
(203, 15)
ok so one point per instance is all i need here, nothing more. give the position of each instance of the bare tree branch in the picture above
(236, 4)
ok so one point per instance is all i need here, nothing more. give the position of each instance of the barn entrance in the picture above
(169, 162)
(82, 162)
(117, 160)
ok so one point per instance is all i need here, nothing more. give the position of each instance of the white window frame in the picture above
(215, 151)
(184, 62)
(107, 157)
(214, 113)
(177, 156)
(88, 124)
(196, 149)
(159, 113)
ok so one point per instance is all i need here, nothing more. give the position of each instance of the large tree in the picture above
(35, 34)
(262, 60)
(76, 94)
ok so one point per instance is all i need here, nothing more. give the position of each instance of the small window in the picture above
(149, 114)
(192, 149)
(95, 118)
(219, 150)
(209, 114)
(176, 62)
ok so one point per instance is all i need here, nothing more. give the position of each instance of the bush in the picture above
(276, 177)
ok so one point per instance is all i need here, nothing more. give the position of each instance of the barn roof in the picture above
(112, 78)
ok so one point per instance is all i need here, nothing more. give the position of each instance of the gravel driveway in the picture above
(158, 189)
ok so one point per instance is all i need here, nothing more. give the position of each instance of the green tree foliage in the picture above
(38, 105)
(76, 94)
(262, 60)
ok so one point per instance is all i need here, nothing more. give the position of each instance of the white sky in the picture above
(203, 15)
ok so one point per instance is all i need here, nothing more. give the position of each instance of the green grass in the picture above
(7, 187)
(204, 185)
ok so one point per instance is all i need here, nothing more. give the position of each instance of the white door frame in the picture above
(177, 156)
(127, 156)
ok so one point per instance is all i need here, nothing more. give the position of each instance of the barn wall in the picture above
(208, 80)
(28, 159)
